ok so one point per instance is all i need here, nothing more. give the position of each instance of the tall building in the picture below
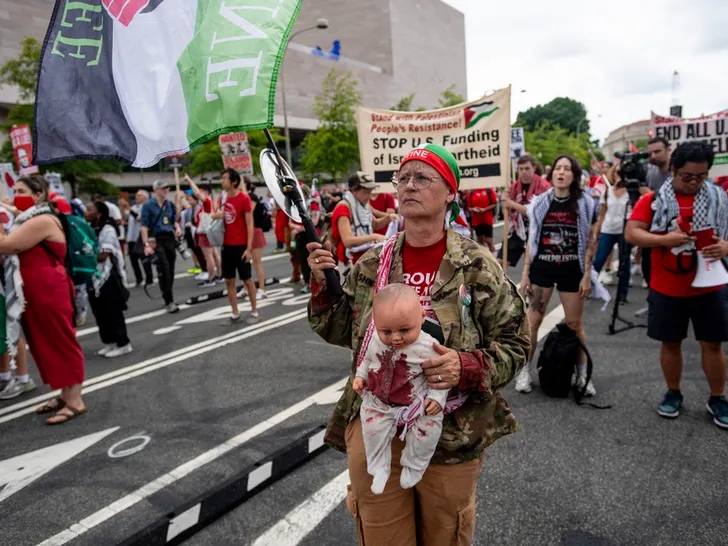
(392, 47)
(620, 139)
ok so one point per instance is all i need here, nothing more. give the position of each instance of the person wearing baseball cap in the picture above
(159, 221)
(479, 320)
(353, 224)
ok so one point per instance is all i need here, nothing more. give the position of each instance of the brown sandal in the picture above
(60, 403)
(66, 418)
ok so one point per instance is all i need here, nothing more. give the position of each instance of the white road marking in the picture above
(14, 411)
(131, 320)
(77, 529)
(303, 519)
(19, 472)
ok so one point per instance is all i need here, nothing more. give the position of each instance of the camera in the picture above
(633, 171)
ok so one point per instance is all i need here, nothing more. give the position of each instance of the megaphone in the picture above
(283, 186)
(710, 272)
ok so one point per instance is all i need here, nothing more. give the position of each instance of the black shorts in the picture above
(668, 317)
(516, 248)
(566, 277)
(484, 230)
(232, 261)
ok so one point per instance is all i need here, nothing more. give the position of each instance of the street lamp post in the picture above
(320, 24)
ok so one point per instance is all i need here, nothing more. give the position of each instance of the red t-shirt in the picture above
(236, 228)
(671, 275)
(382, 202)
(341, 211)
(420, 265)
(481, 199)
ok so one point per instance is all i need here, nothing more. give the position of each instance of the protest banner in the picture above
(518, 142)
(236, 152)
(22, 142)
(712, 129)
(477, 133)
(55, 184)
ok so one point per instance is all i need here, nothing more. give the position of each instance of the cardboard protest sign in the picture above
(22, 142)
(712, 129)
(236, 152)
(518, 142)
(478, 134)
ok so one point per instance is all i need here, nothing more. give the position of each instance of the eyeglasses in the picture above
(686, 178)
(421, 181)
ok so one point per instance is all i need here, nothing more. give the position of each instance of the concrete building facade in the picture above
(392, 47)
(620, 139)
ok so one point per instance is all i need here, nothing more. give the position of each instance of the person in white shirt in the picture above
(613, 208)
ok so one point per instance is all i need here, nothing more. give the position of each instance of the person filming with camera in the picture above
(685, 217)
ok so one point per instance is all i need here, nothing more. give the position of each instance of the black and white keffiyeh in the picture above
(14, 296)
(710, 210)
(108, 242)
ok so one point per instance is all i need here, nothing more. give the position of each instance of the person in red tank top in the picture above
(48, 319)
(383, 203)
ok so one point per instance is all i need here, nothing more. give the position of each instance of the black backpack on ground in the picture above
(558, 362)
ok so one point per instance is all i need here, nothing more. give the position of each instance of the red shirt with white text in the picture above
(236, 228)
(420, 265)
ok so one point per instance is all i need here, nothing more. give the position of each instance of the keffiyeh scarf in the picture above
(710, 210)
(14, 296)
(108, 242)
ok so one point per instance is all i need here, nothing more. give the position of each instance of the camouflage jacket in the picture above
(493, 340)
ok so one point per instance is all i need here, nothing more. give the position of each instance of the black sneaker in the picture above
(671, 404)
(718, 408)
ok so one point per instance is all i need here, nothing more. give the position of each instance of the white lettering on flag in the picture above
(229, 66)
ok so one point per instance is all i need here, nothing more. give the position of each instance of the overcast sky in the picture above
(616, 57)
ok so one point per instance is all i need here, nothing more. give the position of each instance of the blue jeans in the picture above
(606, 242)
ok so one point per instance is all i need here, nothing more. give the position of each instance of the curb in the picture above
(193, 516)
(218, 294)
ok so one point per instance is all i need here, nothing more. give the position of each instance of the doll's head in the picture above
(397, 315)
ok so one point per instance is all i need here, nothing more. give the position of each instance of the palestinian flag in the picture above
(475, 112)
(138, 80)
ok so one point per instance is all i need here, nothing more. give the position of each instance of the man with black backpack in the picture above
(160, 228)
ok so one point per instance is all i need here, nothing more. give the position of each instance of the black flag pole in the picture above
(289, 187)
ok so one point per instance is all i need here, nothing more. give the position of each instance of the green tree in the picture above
(405, 105)
(334, 147)
(562, 111)
(22, 73)
(547, 141)
(450, 98)
(641, 144)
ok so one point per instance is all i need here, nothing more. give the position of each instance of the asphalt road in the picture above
(184, 411)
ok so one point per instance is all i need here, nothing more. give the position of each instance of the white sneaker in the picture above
(644, 284)
(607, 279)
(636, 270)
(202, 276)
(523, 380)
(119, 351)
(15, 388)
(261, 295)
(106, 349)
(243, 293)
(590, 390)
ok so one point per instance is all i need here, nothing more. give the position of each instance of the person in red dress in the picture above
(48, 320)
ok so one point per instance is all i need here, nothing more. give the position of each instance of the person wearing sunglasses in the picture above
(479, 321)
(669, 221)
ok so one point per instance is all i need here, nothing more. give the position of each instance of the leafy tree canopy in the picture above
(567, 113)
(333, 148)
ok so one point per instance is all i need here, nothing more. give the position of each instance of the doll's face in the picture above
(398, 322)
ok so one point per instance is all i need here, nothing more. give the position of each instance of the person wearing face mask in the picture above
(562, 240)
(38, 287)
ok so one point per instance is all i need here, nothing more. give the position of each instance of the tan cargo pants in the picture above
(438, 511)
